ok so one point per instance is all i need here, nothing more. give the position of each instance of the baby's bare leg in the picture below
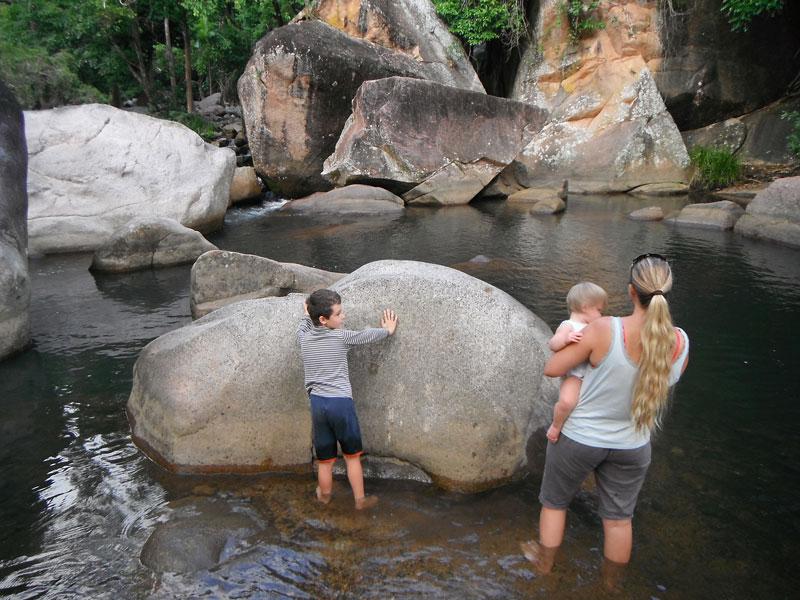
(567, 401)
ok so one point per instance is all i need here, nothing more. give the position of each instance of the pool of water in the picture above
(719, 516)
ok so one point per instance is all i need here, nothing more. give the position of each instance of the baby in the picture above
(586, 302)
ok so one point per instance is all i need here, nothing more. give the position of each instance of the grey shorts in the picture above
(619, 475)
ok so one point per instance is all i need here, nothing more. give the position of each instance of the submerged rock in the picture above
(650, 213)
(455, 396)
(220, 278)
(774, 214)
(94, 167)
(199, 534)
(714, 215)
(15, 290)
(146, 243)
(351, 199)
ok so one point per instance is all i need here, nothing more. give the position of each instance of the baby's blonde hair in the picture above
(584, 295)
(651, 277)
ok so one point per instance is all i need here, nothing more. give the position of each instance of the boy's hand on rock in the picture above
(389, 321)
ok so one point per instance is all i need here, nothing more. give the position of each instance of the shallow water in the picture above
(718, 517)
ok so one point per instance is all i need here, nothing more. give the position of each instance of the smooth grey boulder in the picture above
(149, 242)
(727, 135)
(198, 534)
(408, 26)
(92, 168)
(548, 206)
(351, 199)
(15, 291)
(456, 396)
(296, 92)
(774, 214)
(219, 278)
(714, 215)
(649, 213)
(437, 145)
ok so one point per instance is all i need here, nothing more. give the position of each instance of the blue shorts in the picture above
(334, 420)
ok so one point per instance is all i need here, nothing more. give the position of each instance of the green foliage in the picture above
(43, 80)
(478, 21)
(194, 122)
(120, 45)
(715, 167)
(581, 17)
(793, 140)
(741, 12)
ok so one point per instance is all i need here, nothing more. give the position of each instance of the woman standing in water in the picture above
(634, 360)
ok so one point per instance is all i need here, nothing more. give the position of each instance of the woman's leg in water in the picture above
(618, 540)
(542, 554)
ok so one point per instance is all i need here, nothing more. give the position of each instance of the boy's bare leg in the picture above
(355, 475)
(542, 554)
(324, 481)
(568, 395)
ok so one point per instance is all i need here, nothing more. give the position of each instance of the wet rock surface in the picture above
(713, 215)
(14, 281)
(774, 214)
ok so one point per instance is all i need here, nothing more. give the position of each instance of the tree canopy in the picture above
(60, 51)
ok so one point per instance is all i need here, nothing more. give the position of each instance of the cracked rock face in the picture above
(14, 283)
(435, 144)
(609, 129)
(93, 167)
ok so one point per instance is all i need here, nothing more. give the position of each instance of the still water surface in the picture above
(719, 516)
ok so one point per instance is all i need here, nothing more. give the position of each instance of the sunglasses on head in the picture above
(641, 257)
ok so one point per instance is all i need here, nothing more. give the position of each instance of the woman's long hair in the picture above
(651, 277)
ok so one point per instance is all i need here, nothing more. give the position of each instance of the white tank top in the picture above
(602, 417)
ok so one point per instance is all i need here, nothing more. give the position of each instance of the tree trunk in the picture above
(173, 84)
(187, 65)
(144, 71)
(276, 6)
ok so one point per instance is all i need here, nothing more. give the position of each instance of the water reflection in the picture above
(718, 515)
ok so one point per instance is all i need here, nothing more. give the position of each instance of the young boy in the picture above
(324, 345)
(586, 302)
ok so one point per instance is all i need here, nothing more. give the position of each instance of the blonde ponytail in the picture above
(651, 277)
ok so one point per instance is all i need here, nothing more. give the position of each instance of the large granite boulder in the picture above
(94, 167)
(220, 278)
(15, 291)
(408, 26)
(454, 395)
(349, 200)
(296, 92)
(774, 214)
(150, 242)
(437, 144)
(708, 73)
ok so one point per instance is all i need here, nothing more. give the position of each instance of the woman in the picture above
(633, 360)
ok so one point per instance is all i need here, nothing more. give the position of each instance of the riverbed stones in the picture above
(93, 167)
(245, 185)
(454, 395)
(150, 242)
(220, 277)
(296, 92)
(548, 206)
(713, 215)
(774, 214)
(436, 144)
(15, 291)
(353, 199)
